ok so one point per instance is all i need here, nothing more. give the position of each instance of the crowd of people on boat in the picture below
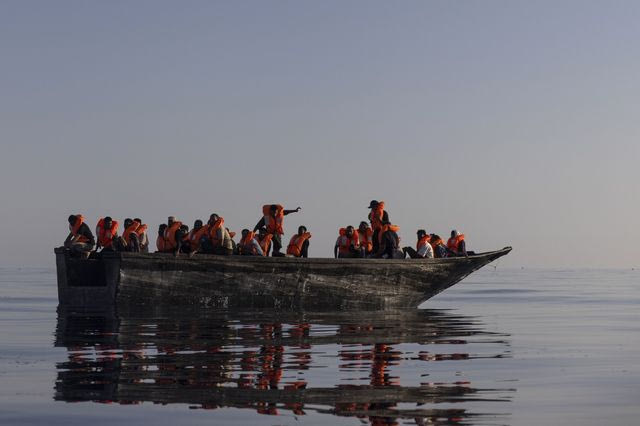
(377, 238)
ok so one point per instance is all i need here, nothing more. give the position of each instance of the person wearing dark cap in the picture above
(377, 217)
(80, 240)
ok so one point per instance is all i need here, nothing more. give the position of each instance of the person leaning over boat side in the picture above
(299, 243)
(130, 236)
(248, 245)
(143, 238)
(80, 240)
(217, 240)
(423, 248)
(377, 216)
(265, 240)
(272, 219)
(437, 244)
(107, 235)
(389, 242)
(173, 236)
(160, 241)
(347, 245)
(365, 238)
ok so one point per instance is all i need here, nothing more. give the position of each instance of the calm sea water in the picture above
(522, 347)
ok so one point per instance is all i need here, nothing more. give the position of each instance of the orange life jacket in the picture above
(213, 232)
(160, 243)
(75, 228)
(366, 239)
(296, 242)
(265, 243)
(133, 228)
(141, 229)
(273, 223)
(385, 228)
(346, 242)
(375, 217)
(170, 242)
(423, 242)
(453, 243)
(435, 243)
(246, 243)
(194, 236)
(105, 236)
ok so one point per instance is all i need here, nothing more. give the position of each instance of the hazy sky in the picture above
(516, 122)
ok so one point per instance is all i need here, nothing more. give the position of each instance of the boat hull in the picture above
(134, 279)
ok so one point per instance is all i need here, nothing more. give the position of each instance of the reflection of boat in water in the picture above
(244, 281)
(270, 362)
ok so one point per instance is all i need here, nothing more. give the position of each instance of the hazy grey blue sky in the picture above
(516, 122)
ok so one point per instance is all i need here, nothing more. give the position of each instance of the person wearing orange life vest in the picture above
(347, 244)
(160, 241)
(80, 240)
(456, 245)
(107, 234)
(143, 238)
(423, 248)
(365, 238)
(437, 244)
(299, 243)
(173, 236)
(217, 240)
(193, 237)
(248, 245)
(377, 216)
(264, 239)
(389, 242)
(129, 237)
(272, 219)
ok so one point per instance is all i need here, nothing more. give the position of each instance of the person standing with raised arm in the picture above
(272, 219)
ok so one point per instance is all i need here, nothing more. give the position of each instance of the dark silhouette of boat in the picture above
(134, 279)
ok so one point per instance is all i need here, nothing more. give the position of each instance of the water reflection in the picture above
(372, 365)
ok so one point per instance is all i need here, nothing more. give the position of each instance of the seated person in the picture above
(456, 245)
(347, 245)
(185, 247)
(389, 243)
(248, 245)
(129, 237)
(160, 242)
(264, 239)
(194, 236)
(107, 233)
(143, 238)
(439, 249)
(217, 240)
(234, 245)
(423, 248)
(365, 238)
(299, 243)
(80, 240)
(173, 236)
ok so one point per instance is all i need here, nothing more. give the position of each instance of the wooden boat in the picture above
(135, 279)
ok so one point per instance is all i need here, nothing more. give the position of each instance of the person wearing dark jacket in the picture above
(80, 240)
(272, 219)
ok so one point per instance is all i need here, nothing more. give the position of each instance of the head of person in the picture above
(363, 226)
(197, 225)
(435, 237)
(72, 219)
(349, 231)
(170, 220)
(244, 233)
(161, 229)
(262, 231)
(302, 230)
(108, 222)
(213, 218)
(454, 233)
(273, 209)
(184, 228)
(373, 204)
(137, 219)
(128, 222)
(421, 233)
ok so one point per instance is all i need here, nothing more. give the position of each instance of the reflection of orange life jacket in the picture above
(213, 232)
(265, 243)
(375, 217)
(194, 236)
(170, 242)
(246, 243)
(365, 239)
(105, 236)
(273, 223)
(131, 229)
(423, 242)
(76, 227)
(385, 228)
(454, 242)
(295, 245)
(346, 242)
